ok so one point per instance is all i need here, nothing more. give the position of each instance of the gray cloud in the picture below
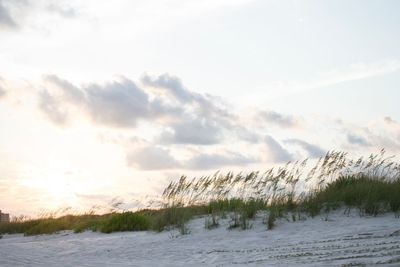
(119, 103)
(313, 151)
(171, 85)
(205, 131)
(281, 120)
(2, 92)
(382, 133)
(6, 19)
(71, 92)
(357, 140)
(49, 105)
(13, 13)
(205, 105)
(152, 158)
(244, 134)
(275, 152)
(157, 158)
(196, 131)
(188, 117)
(56, 107)
(387, 140)
(389, 120)
(205, 120)
(3, 85)
(215, 161)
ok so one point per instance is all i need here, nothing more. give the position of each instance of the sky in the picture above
(106, 101)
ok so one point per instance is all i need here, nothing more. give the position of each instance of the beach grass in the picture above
(371, 185)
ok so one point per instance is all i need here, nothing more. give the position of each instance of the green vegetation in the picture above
(52, 225)
(371, 195)
(172, 216)
(371, 185)
(127, 221)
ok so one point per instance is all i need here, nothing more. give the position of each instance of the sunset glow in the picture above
(105, 100)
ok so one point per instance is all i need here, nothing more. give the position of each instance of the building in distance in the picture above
(4, 217)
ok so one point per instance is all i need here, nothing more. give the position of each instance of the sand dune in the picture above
(335, 240)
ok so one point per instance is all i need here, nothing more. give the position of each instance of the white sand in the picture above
(313, 242)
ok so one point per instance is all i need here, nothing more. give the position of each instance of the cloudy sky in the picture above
(106, 99)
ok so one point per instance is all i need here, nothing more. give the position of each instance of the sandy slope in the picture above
(338, 241)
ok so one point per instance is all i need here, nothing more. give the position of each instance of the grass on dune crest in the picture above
(370, 184)
(51, 225)
(127, 221)
(372, 195)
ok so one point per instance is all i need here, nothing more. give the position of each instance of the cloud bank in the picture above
(6, 20)
(184, 120)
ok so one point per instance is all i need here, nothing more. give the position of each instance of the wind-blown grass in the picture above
(371, 195)
(370, 184)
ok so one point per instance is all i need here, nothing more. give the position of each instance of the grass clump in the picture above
(17, 227)
(371, 195)
(157, 220)
(48, 225)
(239, 220)
(126, 221)
(211, 222)
(249, 208)
(92, 224)
(173, 216)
